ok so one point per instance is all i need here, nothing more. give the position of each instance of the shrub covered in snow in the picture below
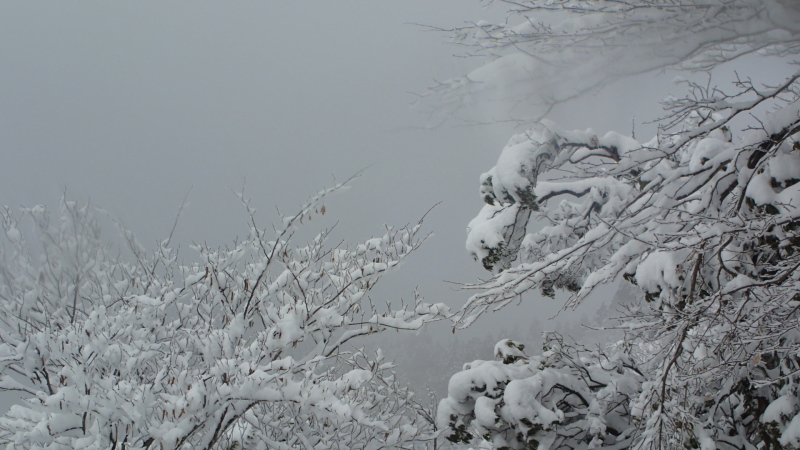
(249, 347)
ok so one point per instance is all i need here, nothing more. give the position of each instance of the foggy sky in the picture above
(135, 104)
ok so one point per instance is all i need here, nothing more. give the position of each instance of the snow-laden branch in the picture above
(248, 346)
(705, 221)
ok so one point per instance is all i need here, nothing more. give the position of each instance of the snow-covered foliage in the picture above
(548, 51)
(707, 225)
(247, 348)
(703, 219)
(564, 396)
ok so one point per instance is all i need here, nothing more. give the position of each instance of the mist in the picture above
(136, 106)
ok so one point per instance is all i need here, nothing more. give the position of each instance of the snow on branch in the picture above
(250, 346)
(704, 221)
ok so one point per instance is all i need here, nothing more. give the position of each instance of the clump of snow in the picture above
(485, 232)
(660, 270)
(509, 351)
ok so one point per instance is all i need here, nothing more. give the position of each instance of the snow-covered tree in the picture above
(703, 219)
(248, 347)
(549, 51)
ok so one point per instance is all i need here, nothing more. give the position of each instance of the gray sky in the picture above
(134, 104)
